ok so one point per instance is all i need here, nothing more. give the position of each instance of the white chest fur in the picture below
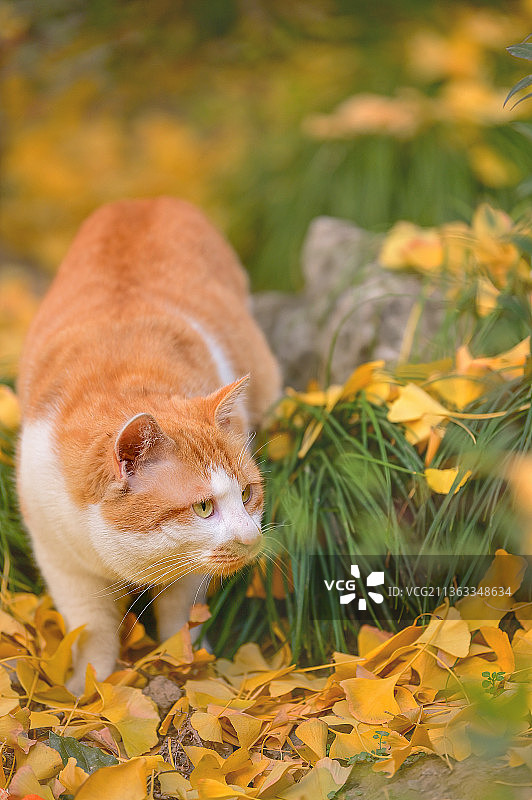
(53, 519)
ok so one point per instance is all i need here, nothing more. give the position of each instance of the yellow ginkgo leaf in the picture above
(461, 390)
(500, 644)
(134, 715)
(57, 666)
(441, 480)
(330, 398)
(362, 737)
(370, 637)
(275, 778)
(43, 719)
(110, 782)
(360, 378)
(371, 701)
(217, 790)
(207, 725)
(450, 635)
(242, 768)
(24, 782)
(522, 651)
(503, 578)
(43, 760)
(418, 411)
(247, 728)
(414, 403)
(72, 776)
(320, 397)
(319, 784)
(313, 732)
(174, 784)
(451, 740)
(408, 245)
(511, 363)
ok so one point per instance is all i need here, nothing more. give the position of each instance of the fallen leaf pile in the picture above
(259, 726)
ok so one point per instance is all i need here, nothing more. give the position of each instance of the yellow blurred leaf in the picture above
(442, 480)
(408, 245)
(280, 446)
(487, 296)
(9, 408)
(418, 411)
(505, 574)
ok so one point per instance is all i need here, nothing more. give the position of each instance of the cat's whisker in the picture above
(161, 575)
(119, 585)
(155, 563)
(251, 435)
(276, 563)
(138, 616)
(167, 569)
(172, 583)
(277, 543)
(207, 578)
(257, 451)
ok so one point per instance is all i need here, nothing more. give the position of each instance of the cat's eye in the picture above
(246, 494)
(204, 508)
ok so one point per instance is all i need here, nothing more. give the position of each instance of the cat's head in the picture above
(187, 495)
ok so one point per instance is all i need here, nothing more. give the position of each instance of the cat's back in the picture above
(129, 252)
(133, 265)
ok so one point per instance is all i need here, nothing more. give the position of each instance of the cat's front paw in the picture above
(101, 665)
(76, 683)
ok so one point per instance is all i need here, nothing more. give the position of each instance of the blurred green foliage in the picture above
(217, 102)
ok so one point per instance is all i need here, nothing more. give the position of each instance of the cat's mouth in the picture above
(224, 564)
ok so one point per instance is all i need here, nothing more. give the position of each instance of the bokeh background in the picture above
(265, 112)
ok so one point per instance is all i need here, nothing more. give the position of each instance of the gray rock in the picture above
(351, 309)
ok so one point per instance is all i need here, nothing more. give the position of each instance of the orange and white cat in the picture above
(142, 374)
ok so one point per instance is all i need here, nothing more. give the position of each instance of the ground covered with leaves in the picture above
(177, 722)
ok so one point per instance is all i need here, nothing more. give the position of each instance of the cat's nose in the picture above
(249, 535)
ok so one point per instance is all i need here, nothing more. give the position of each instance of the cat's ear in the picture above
(227, 403)
(139, 441)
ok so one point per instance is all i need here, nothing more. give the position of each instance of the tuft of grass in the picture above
(17, 563)
(360, 490)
